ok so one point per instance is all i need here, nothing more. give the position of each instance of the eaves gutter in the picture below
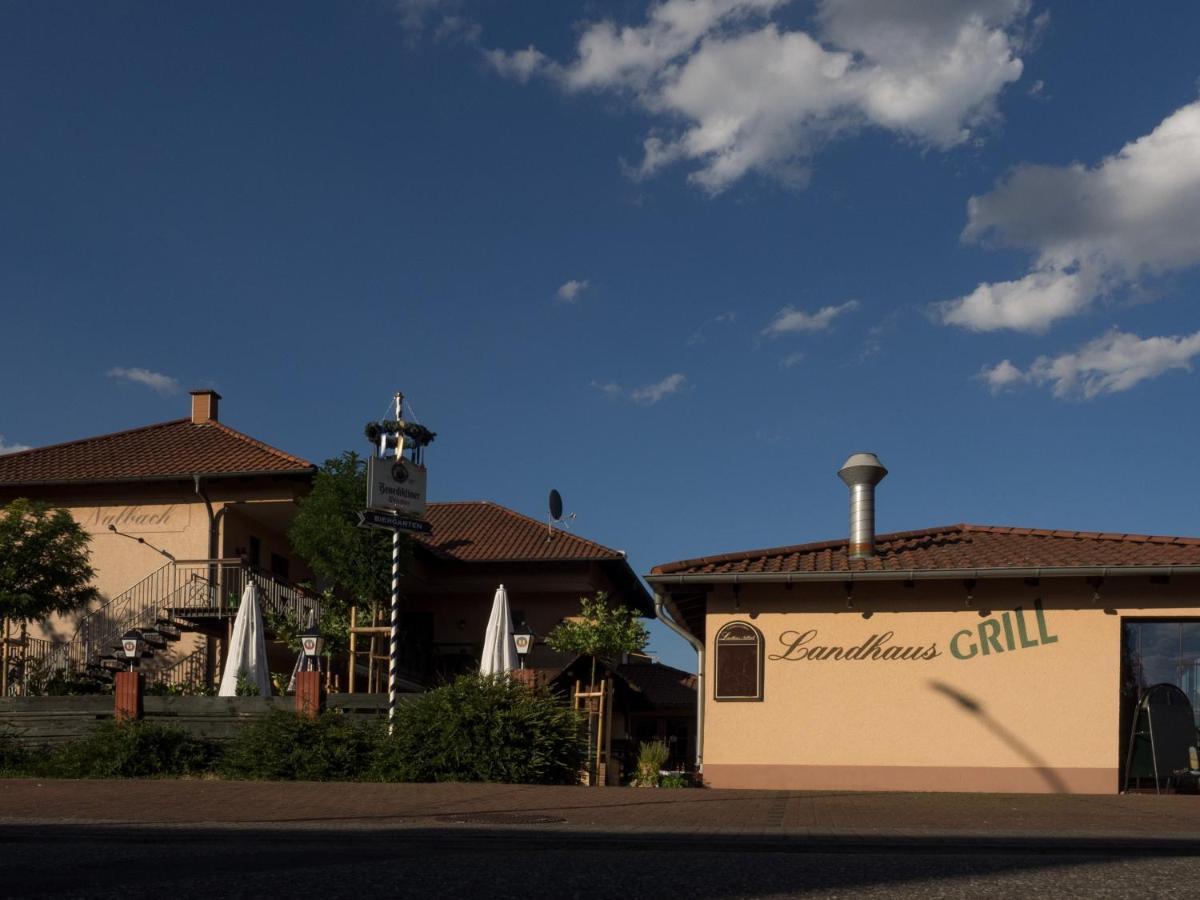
(923, 574)
(130, 479)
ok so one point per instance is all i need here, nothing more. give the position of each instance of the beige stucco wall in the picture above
(166, 517)
(1038, 718)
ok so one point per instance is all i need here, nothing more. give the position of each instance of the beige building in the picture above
(178, 513)
(962, 658)
(182, 514)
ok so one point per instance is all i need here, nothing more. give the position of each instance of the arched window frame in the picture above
(723, 640)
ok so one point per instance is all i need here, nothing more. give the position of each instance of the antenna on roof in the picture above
(556, 514)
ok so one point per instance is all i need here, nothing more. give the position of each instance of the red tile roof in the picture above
(954, 547)
(176, 449)
(481, 531)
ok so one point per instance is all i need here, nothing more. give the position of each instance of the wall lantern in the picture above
(132, 644)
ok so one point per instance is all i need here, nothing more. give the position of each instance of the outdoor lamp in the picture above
(311, 642)
(132, 643)
(524, 641)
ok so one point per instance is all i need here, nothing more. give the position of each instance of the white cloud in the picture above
(1111, 363)
(414, 13)
(519, 65)
(647, 395)
(11, 448)
(1002, 376)
(652, 393)
(163, 384)
(789, 319)
(792, 359)
(570, 292)
(1094, 230)
(608, 388)
(735, 92)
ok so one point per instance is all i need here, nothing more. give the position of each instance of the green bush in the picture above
(14, 758)
(287, 747)
(129, 750)
(673, 780)
(482, 729)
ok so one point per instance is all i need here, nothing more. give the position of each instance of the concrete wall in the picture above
(1039, 714)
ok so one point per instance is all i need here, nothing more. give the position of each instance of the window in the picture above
(739, 663)
(255, 551)
(279, 567)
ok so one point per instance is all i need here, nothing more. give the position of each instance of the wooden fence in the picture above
(48, 721)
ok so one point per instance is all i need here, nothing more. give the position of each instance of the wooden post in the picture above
(609, 693)
(127, 694)
(4, 663)
(353, 648)
(309, 697)
(600, 766)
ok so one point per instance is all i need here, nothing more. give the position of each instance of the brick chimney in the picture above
(204, 406)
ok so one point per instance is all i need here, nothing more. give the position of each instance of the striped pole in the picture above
(394, 646)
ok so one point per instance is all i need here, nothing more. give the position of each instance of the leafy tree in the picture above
(353, 561)
(600, 631)
(44, 565)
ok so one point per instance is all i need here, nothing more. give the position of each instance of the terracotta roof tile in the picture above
(956, 547)
(176, 449)
(481, 531)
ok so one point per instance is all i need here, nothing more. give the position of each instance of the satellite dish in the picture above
(556, 507)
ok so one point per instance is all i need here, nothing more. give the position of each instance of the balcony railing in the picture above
(184, 592)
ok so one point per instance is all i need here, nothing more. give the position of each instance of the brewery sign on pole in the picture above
(396, 484)
(396, 502)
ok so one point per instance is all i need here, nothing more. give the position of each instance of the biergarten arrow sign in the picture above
(374, 518)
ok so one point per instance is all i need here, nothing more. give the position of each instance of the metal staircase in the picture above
(185, 596)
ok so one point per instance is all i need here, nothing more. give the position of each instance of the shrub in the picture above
(287, 747)
(14, 758)
(138, 749)
(482, 729)
(652, 756)
(673, 780)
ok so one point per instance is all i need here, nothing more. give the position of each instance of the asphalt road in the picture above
(185, 862)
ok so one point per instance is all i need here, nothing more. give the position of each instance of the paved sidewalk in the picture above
(818, 818)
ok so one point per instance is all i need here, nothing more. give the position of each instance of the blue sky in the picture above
(677, 260)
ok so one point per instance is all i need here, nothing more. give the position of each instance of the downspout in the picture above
(698, 646)
(212, 518)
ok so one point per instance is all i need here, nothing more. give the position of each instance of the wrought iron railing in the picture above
(25, 656)
(185, 589)
(190, 670)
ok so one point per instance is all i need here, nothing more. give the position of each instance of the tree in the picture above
(600, 631)
(44, 566)
(352, 561)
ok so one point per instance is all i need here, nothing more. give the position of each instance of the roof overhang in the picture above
(901, 575)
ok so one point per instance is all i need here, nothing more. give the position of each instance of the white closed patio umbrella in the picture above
(247, 648)
(499, 649)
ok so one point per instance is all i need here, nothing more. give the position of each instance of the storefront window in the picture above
(1162, 652)
(739, 663)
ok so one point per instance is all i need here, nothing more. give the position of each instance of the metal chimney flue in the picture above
(861, 472)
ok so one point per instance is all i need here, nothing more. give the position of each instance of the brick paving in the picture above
(823, 816)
